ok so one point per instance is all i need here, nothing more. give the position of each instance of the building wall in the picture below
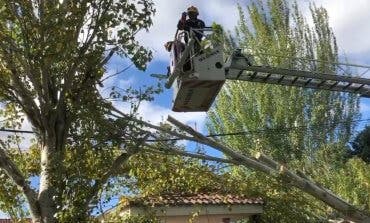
(205, 213)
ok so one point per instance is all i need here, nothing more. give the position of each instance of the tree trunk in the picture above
(51, 172)
(52, 155)
(47, 192)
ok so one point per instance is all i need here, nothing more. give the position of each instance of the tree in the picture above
(361, 145)
(270, 168)
(290, 118)
(158, 174)
(52, 56)
(289, 124)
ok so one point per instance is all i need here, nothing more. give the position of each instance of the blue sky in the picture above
(350, 22)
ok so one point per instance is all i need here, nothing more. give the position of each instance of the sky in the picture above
(350, 22)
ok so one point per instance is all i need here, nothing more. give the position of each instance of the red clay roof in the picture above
(10, 221)
(197, 199)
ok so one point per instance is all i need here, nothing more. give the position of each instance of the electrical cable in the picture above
(259, 131)
(281, 130)
(16, 131)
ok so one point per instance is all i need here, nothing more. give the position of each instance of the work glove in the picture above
(184, 15)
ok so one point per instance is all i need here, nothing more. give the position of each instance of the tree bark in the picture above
(47, 193)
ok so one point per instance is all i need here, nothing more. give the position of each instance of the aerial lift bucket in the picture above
(197, 77)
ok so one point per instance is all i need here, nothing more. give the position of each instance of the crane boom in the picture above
(239, 67)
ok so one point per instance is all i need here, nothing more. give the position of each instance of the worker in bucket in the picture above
(192, 22)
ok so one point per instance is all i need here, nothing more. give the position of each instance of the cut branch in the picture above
(269, 166)
(262, 163)
(251, 162)
(172, 151)
(151, 126)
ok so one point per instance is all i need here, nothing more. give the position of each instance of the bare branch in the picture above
(251, 162)
(25, 97)
(147, 124)
(117, 73)
(171, 151)
(107, 58)
(263, 163)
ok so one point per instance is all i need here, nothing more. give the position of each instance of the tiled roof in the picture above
(197, 199)
(10, 221)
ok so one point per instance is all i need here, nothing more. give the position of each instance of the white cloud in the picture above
(350, 22)
(156, 114)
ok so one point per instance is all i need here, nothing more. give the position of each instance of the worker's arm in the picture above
(202, 24)
(181, 24)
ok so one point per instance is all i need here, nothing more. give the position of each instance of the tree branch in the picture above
(117, 73)
(117, 163)
(251, 162)
(172, 151)
(25, 97)
(151, 126)
(14, 173)
(271, 167)
(265, 165)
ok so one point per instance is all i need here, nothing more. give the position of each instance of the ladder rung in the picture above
(359, 88)
(253, 75)
(280, 79)
(347, 86)
(307, 82)
(333, 85)
(267, 77)
(321, 83)
(294, 80)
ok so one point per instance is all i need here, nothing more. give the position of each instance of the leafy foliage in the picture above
(350, 180)
(53, 55)
(11, 199)
(298, 127)
(167, 174)
(116, 216)
(361, 145)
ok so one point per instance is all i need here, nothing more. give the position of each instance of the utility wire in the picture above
(281, 130)
(16, 131)
(311, 60)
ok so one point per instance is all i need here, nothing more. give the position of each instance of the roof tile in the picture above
(191, 199)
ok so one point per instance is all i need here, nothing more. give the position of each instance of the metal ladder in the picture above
(240, 67)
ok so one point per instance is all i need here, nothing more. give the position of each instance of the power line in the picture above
(282, 130)
(312, 60)
(258, 131)
(16, 131)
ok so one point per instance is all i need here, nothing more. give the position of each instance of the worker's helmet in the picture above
(193, 9)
